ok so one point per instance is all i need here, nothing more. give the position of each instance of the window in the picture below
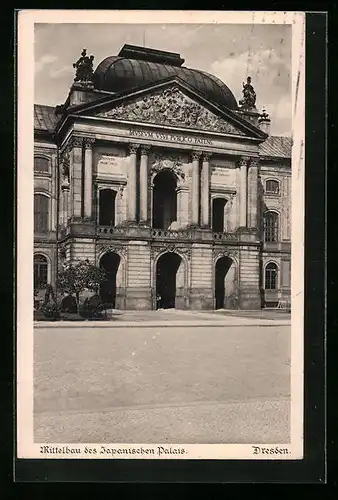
(271, 271)
(272, 187)
(271, 226)
(41, 213)
(41, 165)
(218, 206)
(40, 271)
(107, 207)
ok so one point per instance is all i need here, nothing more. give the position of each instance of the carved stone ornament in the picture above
(65, 162)
(169, 162)
(254, 162)
(196, 155)
(171, 248)
(76, 142)
(88, 142)
(171, 107)
(133, 148)
(207, 156)
(145, 150)
(243, 161)
(119, 249)
(217, 253)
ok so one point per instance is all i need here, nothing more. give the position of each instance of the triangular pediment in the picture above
(172, 105)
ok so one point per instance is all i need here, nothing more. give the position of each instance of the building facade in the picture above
(154, 172)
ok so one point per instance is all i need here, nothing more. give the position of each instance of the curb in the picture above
(152, 324)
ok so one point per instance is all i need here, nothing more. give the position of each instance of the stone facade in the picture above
(169, 195)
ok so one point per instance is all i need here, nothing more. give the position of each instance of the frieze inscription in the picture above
(163, 136)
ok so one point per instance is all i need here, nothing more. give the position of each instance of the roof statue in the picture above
(84, 68)
(249, 95)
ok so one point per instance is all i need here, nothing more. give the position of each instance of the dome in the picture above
(120, 73)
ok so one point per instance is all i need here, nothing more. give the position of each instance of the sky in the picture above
(229, 51)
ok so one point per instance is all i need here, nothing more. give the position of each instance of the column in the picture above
(88, 177)
(253, 193)
(76, 178)
(195, 187)
(132, 182)
(243, 191)
(144, 184)
(205, 192)
(65, 193)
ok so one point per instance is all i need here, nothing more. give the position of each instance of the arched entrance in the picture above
(109, 262)
(164, 199)
(225, 284)
(167, 268)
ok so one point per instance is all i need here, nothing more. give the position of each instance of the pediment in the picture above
(170, 107)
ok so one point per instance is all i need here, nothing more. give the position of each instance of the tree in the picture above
(74, 279)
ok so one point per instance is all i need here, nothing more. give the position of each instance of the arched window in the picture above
(41, 165)
(271, 226)
(272, 187)
(40, 270)
(271, 273)
(41, 213)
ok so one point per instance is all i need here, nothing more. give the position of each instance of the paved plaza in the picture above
(164, 376)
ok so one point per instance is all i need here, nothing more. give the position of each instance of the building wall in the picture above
(139, 251)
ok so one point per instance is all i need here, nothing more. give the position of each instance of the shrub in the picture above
(92, 308)
(50, 311)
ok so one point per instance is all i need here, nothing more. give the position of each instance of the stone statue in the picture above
(249, 95)
(84, 68)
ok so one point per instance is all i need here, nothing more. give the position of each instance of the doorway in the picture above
(164, 199)
(166, 274)
(109, 263)
(225, 283)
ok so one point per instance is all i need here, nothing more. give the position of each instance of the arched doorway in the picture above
(164, 199)
(225, 284)
(167, 268)
(109, 263)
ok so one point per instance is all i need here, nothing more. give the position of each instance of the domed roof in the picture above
(120, 73)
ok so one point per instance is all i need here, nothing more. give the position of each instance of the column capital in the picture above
(145, 148)
(206, 156)
(133, 148)
(243, 161)
(254, 162)
(65, 186)
(88, 142)
(195, 155)
(76, 142)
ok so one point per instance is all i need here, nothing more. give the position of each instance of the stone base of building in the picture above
(250, 300)
(139, 299)
(201, 299)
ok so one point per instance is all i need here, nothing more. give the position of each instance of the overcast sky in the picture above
(229, 51)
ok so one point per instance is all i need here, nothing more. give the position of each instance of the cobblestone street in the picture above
(226, 381)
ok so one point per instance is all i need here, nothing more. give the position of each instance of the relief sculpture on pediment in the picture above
(171, 107)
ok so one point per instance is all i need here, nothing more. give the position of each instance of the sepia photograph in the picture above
(160, 259)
